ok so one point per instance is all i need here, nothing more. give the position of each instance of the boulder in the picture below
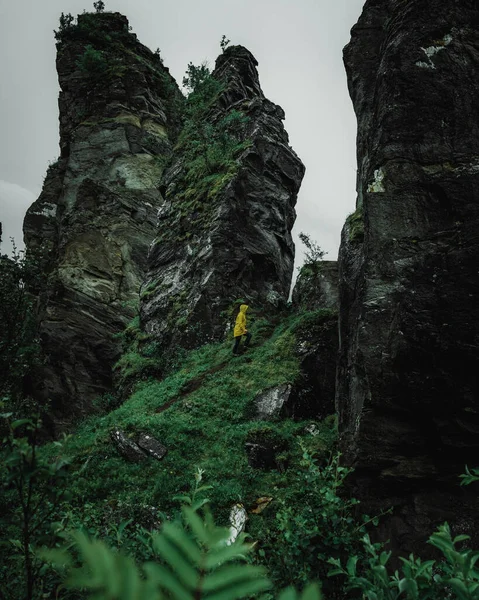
(152, 446)
(127, 447)
(269, 404)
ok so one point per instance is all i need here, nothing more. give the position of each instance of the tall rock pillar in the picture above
(408, 390)
(224, 234)
(119, 112)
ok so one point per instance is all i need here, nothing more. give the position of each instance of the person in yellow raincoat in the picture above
(240, 329)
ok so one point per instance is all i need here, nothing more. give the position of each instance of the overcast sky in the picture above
(298, 44)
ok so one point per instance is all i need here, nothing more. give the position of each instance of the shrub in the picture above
(33, 491)
(455, 576)
(92, 63)
(20, 276)
(66, 25)
(314, 523)
(99, 6)
(196, 560)
(224, 43)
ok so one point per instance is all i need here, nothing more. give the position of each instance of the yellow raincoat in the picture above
(240, 325)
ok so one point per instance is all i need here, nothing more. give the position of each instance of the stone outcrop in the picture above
(233, 241)
(127, 448)
(152, 446)
(313, 394)
(317, 286)
(408, 396)
(316, 291)
(268, 404)
(96, 217)
(137, 451)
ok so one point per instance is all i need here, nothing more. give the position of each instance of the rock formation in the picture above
(316, 291)
(317, 286)
(96, 217)
(231, 238)
(409, 322)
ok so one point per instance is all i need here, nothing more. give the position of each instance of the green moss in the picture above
(355, 222)
(149, 290)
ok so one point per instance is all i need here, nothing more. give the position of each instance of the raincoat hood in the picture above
(240, 325)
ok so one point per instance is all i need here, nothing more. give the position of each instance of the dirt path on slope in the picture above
(191, 386)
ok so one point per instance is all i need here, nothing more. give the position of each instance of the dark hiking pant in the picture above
(238, 341)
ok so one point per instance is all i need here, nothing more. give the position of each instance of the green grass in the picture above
(205, 428)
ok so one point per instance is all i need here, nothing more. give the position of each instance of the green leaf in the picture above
(20, 422)
(231, 575)
(409, 586)
(288, 594)
(351, 565)
(311, 592)
(181, 539)
(196, 524)
(186, 499)
(123, 526)
(218, 556)
(167, 581)
(130, 580)
(242, 590)
(459, 587)
(186, 573)
(199, 503)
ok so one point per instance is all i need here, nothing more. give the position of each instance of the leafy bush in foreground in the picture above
(196, 560)
(454, 577)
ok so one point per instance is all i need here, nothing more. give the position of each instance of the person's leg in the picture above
(248, 339)
(236, 345)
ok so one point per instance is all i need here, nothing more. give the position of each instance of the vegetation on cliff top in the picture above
(208, 146)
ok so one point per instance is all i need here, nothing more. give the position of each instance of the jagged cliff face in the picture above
(96, 216)
(234, 239)
(409, 323)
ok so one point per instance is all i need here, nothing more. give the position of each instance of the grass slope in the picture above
(204, 414)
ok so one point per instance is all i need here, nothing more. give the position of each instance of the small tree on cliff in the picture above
(224, 43)
(66, 24)
(313, 255)
(99, 6)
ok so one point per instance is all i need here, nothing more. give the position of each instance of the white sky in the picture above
(298, 44)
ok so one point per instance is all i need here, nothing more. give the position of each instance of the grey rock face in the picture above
(270, 402)
(313, 394)
(317, 288)
(245, 250)
(96, 216)
(408, 395)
